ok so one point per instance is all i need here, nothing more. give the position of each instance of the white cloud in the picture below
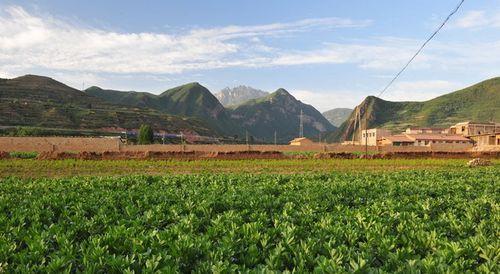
(29, 41)
(382, 53)
(478, 19)
(419, 90)
(400, 91)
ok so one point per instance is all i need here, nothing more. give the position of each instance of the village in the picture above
(464, 135)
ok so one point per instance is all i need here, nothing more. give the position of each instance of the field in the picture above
(325, 216)
(31, 168)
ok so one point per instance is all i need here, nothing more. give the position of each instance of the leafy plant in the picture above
(407, 221)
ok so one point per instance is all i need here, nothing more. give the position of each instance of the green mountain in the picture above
(337, 116)
(480, 102)
(190, 100)
(279, 112)
(43, 102)
(126, 98)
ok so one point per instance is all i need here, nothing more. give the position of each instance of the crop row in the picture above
(432, 221)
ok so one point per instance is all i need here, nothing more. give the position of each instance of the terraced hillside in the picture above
(190, 100)
(43, 102)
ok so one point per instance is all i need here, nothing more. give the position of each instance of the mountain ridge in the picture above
(337, 116)
(41, 101)
(280, 112)
(238, 95)
(479, 102)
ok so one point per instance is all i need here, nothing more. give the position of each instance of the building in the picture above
(302, 141)
(396, 140)
(350, 143)
(425, 130)
(486, 139)
(371, 136)
(422, 140)
(474, 128)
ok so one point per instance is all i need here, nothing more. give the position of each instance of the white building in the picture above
(371, 136)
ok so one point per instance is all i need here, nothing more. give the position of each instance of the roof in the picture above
(437, 137)
(399, 138)
(426, 128)
(476, 123)
(300, 139)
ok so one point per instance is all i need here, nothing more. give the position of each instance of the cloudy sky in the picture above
(327, 53)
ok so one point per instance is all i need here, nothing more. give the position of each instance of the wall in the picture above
(41, 144)
(61, 144)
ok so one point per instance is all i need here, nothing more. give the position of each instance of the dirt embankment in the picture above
(409, 155)
(161, 155)
(248, 155)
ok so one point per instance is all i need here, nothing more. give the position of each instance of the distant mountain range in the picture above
(43, 102)
(238, 95)
(480, 102)
(337, 116)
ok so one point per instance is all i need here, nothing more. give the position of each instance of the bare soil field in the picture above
(32, 168)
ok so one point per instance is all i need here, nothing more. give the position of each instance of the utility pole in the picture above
(275, 143)
(247, 140)
(301, 130)
(366, 132)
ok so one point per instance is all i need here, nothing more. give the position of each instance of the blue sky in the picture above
(326, 53)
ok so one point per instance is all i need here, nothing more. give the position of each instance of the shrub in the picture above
(145, 135)
(24, 155)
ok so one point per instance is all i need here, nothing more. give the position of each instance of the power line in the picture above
(422, 47)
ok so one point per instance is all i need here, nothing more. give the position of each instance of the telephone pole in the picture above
(275, 142)
(301, 130)
(366, 132)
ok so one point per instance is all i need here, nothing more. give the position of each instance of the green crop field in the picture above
(410, 221)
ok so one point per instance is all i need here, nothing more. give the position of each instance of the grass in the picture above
(30, 168)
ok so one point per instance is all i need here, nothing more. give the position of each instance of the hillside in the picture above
(238, 95)
(194, 100)
(189, 100)
(480, 102)
(337, 116)
(280, 112)
(126, 98)
(44, 102)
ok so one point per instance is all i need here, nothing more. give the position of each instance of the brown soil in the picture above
(161, 155)
(4, 155)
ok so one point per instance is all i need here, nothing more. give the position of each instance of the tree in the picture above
(145, 135)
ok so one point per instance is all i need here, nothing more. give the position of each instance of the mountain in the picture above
(189, 100)
(126, 98)
(337, 116)
(44, 102)
(480, 102)
(280, 112)
(238, 95)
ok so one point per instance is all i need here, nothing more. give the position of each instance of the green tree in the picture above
(145, 135)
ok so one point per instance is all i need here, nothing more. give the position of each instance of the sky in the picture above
(326, 53)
